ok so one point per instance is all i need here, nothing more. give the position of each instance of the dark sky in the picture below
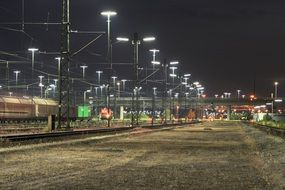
(225, 44)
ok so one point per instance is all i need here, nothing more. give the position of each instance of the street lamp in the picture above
(99, 76)
(124, 84)
(33, 50)
(238, 92)
(276, 85)
(41, 86)
(154, 51)
(17, 74)
(84, 95)
(58, 66)
(119, 84)
(174, 63)
(114, 80)
(83, 67)
(173, 69)
(109, 14)
(53, 86)
(41, 78)
(101, 88)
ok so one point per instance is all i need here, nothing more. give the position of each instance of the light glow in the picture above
(148, 39)
(122, 39)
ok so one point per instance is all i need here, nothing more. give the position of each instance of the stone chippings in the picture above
(229, 156)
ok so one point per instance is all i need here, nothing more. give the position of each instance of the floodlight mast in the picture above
(108, 14)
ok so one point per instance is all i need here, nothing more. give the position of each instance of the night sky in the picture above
(225, 44)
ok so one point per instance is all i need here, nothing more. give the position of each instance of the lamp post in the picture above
(124, 84)
(41, 78)
(84, 96)
(238, 93)
(99, 76)
(114, 81)
(136, 42)
(33, 50)
(83, 67)
(101, 88)
(109, 14)
(276, 86)
(154, 51)
(119, 89)
(16, 75)
(41, 86)
(58, 66)
(153, 105)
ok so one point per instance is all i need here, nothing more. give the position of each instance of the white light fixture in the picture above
(155, 62)
(148, 39)
(122, 39)
(174, 63)
(108, 13)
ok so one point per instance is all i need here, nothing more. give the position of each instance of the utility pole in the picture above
(64, 86)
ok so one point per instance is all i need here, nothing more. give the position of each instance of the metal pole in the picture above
(276, 91)
(64, 88)
(164, 98)
(33, 63)
(136, 61)
(111, 67)
(7, 75)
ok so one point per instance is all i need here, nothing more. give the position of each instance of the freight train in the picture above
(26, 108)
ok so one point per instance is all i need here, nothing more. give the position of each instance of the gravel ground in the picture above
(212, 155)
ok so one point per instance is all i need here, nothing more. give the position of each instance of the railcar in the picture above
(26, 109)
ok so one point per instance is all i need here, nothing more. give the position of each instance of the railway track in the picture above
(268, 129)
(25, 137)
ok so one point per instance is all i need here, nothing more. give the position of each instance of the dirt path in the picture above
(216, 155)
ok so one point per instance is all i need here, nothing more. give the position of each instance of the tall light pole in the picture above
(83, 67)
(114, 81)
(136, 42)
(58, 66)
(276, 86)
(33, 50)
(153, 104)
(173, 67)
(124, 84)
(41, 78)
(119, 89)
(238, 93)
(154, 51)
(16, 75)
(41, 87)
(99, 76)
(84, 96)
(96, 91)
(108, 14)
